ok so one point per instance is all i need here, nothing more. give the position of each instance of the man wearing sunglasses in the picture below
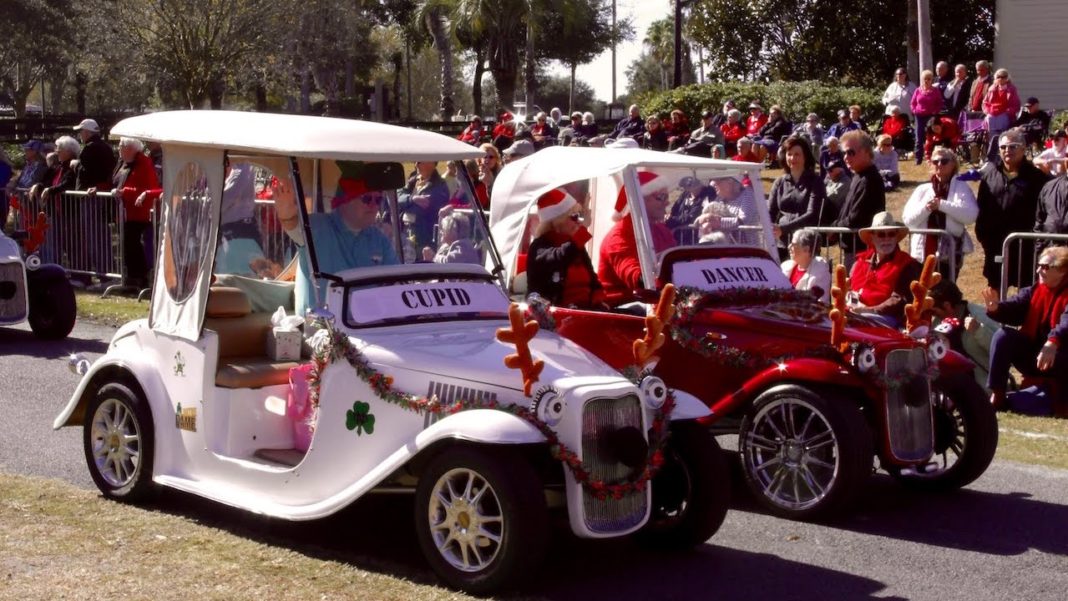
(1008, 201)
(345, 238)
(618, 269)
(866, 196)
(1041, 312)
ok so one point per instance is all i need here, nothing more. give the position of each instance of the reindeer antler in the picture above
(921, 303)
(646, 347)
(36, 233)
(519, 334)
(838, 305)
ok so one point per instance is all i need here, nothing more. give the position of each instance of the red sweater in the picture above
(618, 269)
(1046, 305)
(142, 178)
(876, 284)
(754, 123)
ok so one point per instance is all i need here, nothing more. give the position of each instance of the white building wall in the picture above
(1032, 43)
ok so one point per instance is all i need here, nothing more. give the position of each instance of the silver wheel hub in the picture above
(791, 453)
(466, 520)
(115, 443)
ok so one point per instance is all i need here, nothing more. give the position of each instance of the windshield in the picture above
(426, 299)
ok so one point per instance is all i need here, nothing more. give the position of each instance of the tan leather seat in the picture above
(243, 361)
(252, 372)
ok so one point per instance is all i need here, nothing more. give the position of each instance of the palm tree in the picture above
(435, 15)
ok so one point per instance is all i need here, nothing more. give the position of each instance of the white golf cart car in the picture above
(403, 367)
(811, 401)
(32, 290)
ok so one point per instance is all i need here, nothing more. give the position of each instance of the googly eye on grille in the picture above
(655, 391)
(548, 405)
(864, 359)
(937, 347)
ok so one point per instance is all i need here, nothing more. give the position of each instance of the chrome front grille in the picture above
(599, 417)
(12, 292)
(908, 405)
(450, 393)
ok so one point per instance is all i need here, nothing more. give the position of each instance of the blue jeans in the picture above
(921, 135)
(1010, 347)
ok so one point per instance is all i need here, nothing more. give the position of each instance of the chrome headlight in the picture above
(548, 405)
(864, 359)
(937, 347)
(655, 392)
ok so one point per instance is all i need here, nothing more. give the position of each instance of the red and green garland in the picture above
(337, 347)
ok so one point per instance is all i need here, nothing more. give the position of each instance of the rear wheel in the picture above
(966, 437)
(691, 492)
(119, 443)
(53, 308)
(804, 455)
(481, 518)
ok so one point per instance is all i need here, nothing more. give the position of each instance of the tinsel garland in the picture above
(332, 345)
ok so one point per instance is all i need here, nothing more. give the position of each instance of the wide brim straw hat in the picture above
(883, 222)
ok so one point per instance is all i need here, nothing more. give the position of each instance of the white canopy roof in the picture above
(295, 135)
(525, 180)
(520, 183)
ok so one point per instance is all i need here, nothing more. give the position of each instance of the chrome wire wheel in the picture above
(951, 436)
(791, 452)
(466, 520)
(115, 440)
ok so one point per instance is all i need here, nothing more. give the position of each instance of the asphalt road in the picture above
(1005, 537)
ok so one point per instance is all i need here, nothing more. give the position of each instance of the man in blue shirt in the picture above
(345, 238)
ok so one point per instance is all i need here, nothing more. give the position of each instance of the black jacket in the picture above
(1052, 214)
(96, 163)
(548, 260)
(1005, 205)
(796, 205)
(866, 198)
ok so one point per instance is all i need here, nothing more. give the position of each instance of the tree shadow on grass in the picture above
(378, 534)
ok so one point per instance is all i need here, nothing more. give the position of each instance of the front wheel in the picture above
(691, 492)
(119, 443)
(53, 308)
(966, 437)
(481, 518)
(804, 455)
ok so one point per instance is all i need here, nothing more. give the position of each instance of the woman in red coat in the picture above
(135, 180)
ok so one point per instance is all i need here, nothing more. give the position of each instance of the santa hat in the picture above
(553, 204)
(648, 181)
(348, 188)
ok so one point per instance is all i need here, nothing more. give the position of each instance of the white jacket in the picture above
(817, 276)
(959, 206)
(900, 96)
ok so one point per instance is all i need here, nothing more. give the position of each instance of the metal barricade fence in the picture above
(749, 235)
(85, 233)
(1027, 246)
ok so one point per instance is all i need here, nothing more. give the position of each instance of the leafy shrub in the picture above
(797, 99)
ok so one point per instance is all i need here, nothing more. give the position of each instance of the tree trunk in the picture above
(923, 17)
(912, 42)
(215, 93)
(571, 90)
(437, 24)
(261, 97)
(80, 82)
(398, 66)
(529, 79)
(476, 85)
(305, 91)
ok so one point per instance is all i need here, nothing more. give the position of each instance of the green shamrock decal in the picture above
(360, 419)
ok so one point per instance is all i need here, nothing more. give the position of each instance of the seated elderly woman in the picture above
(805, 268)
(882, 274)
(558, 266)
(1041, 312)
(456, 244)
